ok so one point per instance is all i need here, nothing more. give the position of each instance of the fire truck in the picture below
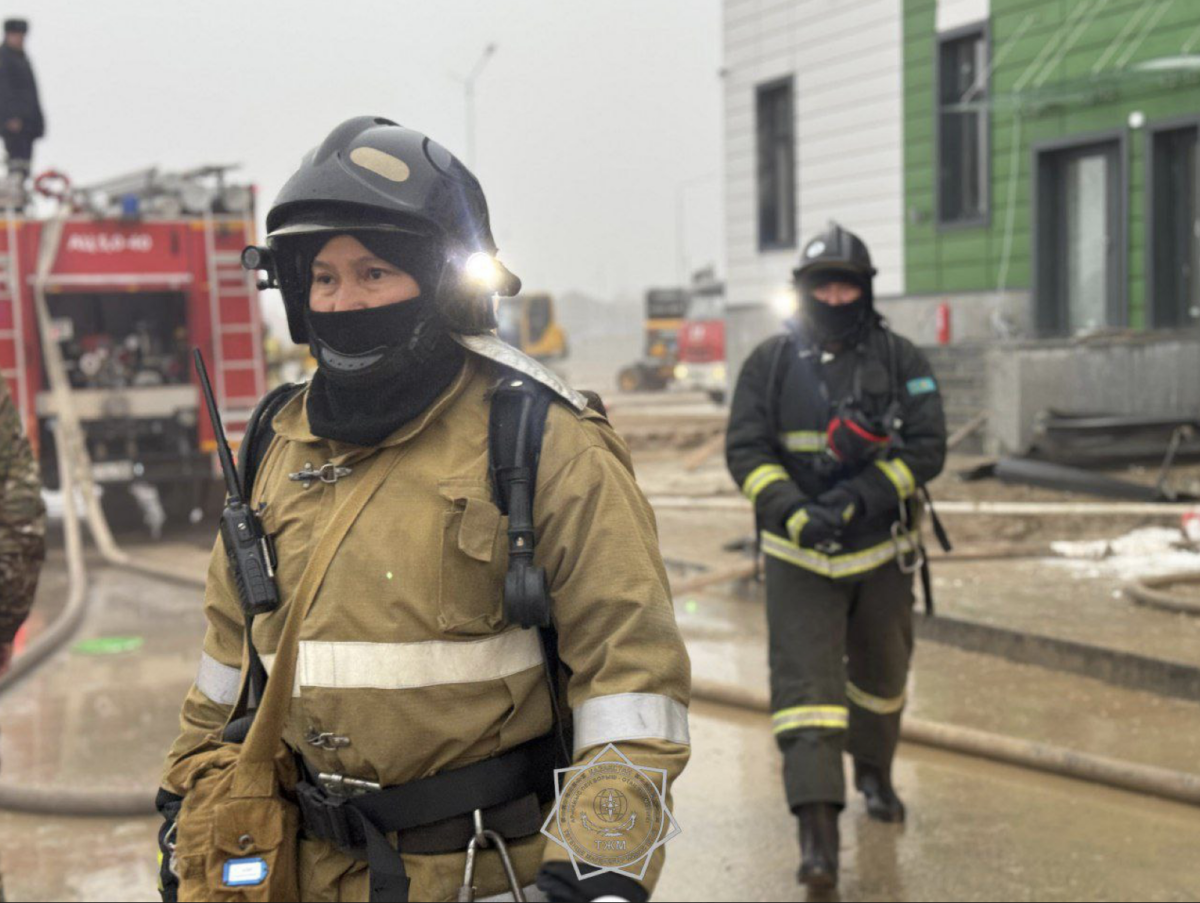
(148, 266)
(701, 364)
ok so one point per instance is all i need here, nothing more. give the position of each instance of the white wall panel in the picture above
(952, 14)
(846, 60)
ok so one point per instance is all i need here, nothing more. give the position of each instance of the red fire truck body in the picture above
(701, 364)
(129, 298)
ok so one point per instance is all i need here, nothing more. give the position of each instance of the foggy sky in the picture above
(594, 119)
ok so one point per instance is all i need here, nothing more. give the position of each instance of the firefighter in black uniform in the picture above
(835, 426)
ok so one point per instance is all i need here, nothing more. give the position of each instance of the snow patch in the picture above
(1146, 552)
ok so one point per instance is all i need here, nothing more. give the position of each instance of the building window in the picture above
(963, 151)
(776, 166)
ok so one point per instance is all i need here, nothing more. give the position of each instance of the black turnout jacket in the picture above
(777, 451)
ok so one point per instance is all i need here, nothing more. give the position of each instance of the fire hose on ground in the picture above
(1152, 591)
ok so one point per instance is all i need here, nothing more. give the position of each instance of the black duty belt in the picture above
(430, 815)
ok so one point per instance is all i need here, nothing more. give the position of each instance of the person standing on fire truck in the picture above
(834, 427)
(21, 119)
(411, 676)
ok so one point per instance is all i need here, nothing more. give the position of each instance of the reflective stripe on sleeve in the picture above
(832, 717)
(630, 716)
(900, 476)
(762, 477)
(218, 682)
(810, 442)
(835, 566)
(796, 523)
(410, 666)
(878, 704)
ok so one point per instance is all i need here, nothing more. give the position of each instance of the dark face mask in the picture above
(841, 323)
(366, 347)
(379, 368)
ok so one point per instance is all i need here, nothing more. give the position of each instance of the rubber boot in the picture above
(818, 846)
(876, 785)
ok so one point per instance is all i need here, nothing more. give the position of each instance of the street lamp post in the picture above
(680, 238)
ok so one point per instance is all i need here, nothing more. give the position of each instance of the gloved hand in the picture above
(824, 520)
(168, 881)
(558, 882)
(845, 501)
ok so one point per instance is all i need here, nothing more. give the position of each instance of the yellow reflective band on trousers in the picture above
(762, 477)
(835, 566)
(900, 476)
(833, 717)
(811, 442)
(877, 704)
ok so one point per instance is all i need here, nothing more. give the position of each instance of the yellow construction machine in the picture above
(528, 323)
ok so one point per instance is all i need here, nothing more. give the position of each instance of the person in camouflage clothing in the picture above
(22, 525)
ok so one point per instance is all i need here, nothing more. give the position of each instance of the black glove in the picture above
(168, 804)
(845, 501)
(824, 520)
(558, 882)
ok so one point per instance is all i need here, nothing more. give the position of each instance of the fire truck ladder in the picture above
(231, 294)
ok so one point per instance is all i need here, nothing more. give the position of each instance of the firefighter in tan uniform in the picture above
(407, 667)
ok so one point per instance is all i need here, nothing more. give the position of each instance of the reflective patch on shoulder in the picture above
(496, 349)
(922, 385)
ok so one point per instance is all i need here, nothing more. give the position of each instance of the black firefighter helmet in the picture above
(836, 249)
(371, 174)
(836, 255)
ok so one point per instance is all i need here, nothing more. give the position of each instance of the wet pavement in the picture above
(976, 831)
(726, 637)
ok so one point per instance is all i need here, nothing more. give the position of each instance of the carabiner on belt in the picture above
(482, 839)
(910, 554)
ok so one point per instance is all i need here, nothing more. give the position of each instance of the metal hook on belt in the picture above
(903, 540)
(482, 839)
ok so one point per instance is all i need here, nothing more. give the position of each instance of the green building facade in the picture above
(1050, 162)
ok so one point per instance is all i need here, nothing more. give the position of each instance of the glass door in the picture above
(1088, 233)
(1079, 239)
(1174, 253)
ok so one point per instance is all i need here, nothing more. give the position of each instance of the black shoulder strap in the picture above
(260, 432)
(777, 353)
(516, 426)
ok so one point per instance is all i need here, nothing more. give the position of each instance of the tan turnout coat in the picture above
(404, 651)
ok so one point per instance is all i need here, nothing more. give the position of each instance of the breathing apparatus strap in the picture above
(516, 427)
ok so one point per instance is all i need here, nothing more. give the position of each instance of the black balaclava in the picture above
(379, 368)
(844, 323)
